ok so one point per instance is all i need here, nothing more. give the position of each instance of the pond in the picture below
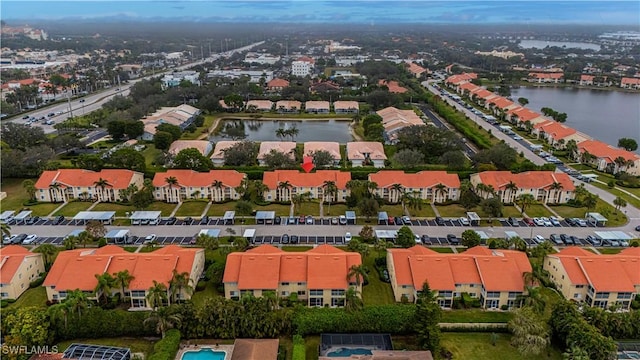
(541, 44)
(267, 130)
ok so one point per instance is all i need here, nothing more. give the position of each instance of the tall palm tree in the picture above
(260, 188)
(104, 286)
(525, 200)
(512, 189)
(590, 201)
(271, 299)
(557, 191)
(371, 186)
(180, 282)
(440, 189)
(54, 190)
(281, 133)
(78, 301)
(163, 320)
(123, 279)
(357, 273)
(172, 181)
(534, 299)
(102, 184)
(217, 185)
(395, 193)
(619, 202)
(352, 300)
(414, 201)
(283, 188)
(70, 242)
(48, 252)
(243, 189)
(157, 294)
(60, 310)
(84, 238)
(330, 190)
(30, 187)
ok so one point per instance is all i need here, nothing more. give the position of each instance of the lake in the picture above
(541, 44)
(310, 130)
(602, 114)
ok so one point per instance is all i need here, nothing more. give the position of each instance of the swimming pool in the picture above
(204, 354)
(346, 352)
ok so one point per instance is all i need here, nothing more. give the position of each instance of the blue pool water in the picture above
(204, 354)
(346, 352)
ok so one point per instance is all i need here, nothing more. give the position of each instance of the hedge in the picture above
(299, 352)
(95, 323)
(394, 319)
(167, 348)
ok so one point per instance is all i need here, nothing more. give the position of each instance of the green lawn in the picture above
(208, 121)
(569, 211)
(191, 208)
(335, 210)
(120, 209)
(150, 154)
(296, 248)
(74, 207)
(32, 297)
(615, 218)
(393, 210)
(453, 210)
(130, 248)
(444, 250)
(477, 346)
(425, 212)
(311, 345)
(137, 345)
(308, 208)
(376, 292)
(199, 297)
(281, 210)
(616, 191)
(610, 251)
(538, 210)
(219, 209)
(475, 316)
(163, 207)
(507, 211)
(16, 195)
(42, 209)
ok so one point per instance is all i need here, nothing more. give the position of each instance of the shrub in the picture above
(37, 282)
(167, 348)
(393, 319)
(299, 352)
(504, 307)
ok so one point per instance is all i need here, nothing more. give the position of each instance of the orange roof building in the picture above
(435, 186)
(493, 276)
(318, 276)
(217, 158)
(260, 105)
(630, 83)
(277, 84)
(77, 270)
(285, 147)
(522, 114)
(288, 106)
(416, 69)
(545, 77)
(596, 280)
(346, 107)
(176, 185)
(284, 183)
(333, 148)
(204, 147)
(498, 103)
(608, 158)
(394, 119)
(18, 267)
(363, 153)
(461, 78)
(540, 184)
(65, 184)
(393, 86)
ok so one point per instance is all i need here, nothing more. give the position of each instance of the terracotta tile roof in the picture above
(468, 86)
(201, 145)
(457, 79)
(524, 114)
(255, 349)
(575, 251)
(393, 118)
(393, 86)
(302, 179)
(289, 104)
(306, 59)
(190, 178)
(117, 178)
(501, 103)
(332, 147)
(415, 68)
(324, 267)
(541, 75)
(261, 104)
(606, 151)
(285, 147)
(320, 105)
(500, 274)
(76, 269)
(278, 83)
(556, 130)
(422, 179)
(346, 105)
(584, 77)
(484, 94)
(357, 149)
(630, 81)
(526, 180)
(11, 257)
(218, 151)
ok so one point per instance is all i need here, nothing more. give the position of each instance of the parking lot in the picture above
(301, 239)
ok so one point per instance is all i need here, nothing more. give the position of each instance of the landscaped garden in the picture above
(192, 208)
(479, 346)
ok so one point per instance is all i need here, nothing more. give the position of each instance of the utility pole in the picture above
(69, 102)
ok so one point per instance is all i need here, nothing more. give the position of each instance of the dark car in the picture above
(594, 240)
(556, 239)
(294, 239)
(204, 220)
(575, 240)
(277, 220)
(172, 220)
(188, 220)
(58, 220)
(564, 238)
(439, 220)
(82, 100)
(514, 222)
(452, 239)
(19, 239)
(638, 228)
(51, 114)
(572, 221)
(425, 239)
(568, 240)
(398, 220)
(301, 220)
(284, 239)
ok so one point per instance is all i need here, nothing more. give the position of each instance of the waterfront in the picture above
(309, 130)
(541, 44)
(602, 114)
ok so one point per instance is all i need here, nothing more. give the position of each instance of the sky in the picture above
(345, 11)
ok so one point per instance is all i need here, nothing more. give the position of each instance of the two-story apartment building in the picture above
(608, 158)
(557, 134)
(18, 268)
(77, 270)
(176, 185)
(346, 107)
(333, 148)
(318, 276)
(366, 153)
(495, 277)
(66, 184)
(285, 147)
(596, 280)
(394, 119)
(282, 184)
(542, 77)
(217, 158)
(547, 187)
(434, 186)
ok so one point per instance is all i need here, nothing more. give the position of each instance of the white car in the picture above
(516, 137)
(539, 239)
(464, 221)
(150, 238)
(546, 221)
(30, 239)
(538, 222)
(582, 222)
(347, 237)
(554, 221)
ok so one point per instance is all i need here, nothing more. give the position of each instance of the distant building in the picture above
(332, 148)
(434, 186)
(366, 153)
(540, 184)
(301, 182)
(215, 185)
(286, 147)
(317, 107)
(277, 84)
(394, 119)
(630, 83)
(254, 75)
(217, 158)
(301, 68)
(64, 185)
(545, 77)
(203, 146)
(393, 86)
(261, 59)
(260, 105)
(608, 158)
(182, 116)
(346, 107)
(586, 80)
(288, 106)
(174, 79)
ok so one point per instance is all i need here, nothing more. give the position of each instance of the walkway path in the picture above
(593, 249)
(93, 205)
(621, 190)
(435, 209)
(206, 209)
(454, 249)
(175, 210)
(551, 211)
(51, 214)
(321, 210)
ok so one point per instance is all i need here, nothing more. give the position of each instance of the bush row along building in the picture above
(602, 155)
(176, 185)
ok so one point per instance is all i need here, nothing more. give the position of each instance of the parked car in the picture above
(614, 242)
(301, 220)
(555, 238)
(416, 237)
(538, 239)
(51, 114)
(334, 221)
(439, 220)
(624, 243)
(398, 220)
(594, 240)
(284, 239)
(150, 238)
(538, 221)
(7, 240)
(58, 220)
(574, 240)
(554, 221)
(582, 222)
(464, 221)
(294, 239)
(343, 220)
(406, 220)
(82, 100)
(528, 221)
(31, 239)
(425, 239)
(638, 228)
(204, 220)
(172, 220)
(572, 221)
(292, 220)
(277, 220)
(347, 237)
(188, 220)
(452, 239)
(546, 222)
(564, 238)
(309, 220)
(514, 222)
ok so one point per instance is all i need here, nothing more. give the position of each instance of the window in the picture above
(493, 294)
(445, 293)
(514, 294)
(137, 293)
(316, 292)
(4, 295)
(62, 294)
(576, 296)
(337, 301)
(138, 303)
(284, 284)
(602, 295)
(302, 284)
(285, 293)
(624, 295)
(316, 302)
(302, 293)
(337, 292)
(579, 286)
(405, 286)
(233, 293)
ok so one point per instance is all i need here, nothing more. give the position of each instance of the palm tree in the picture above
(54, 190)
(590, 201)
(260, 188)
(271, 299)
(440, 189)
(157, 294)
(371, 186)
(293, 132)
(48, 252)
(180, 282)
(534, 299)
(6, 229)
(619, 202)
(84, 238)
(512, 188)
(352, 300)
(171, 180)
(525, 200)
(528, 278)
(70, 242)
(619, 161)
(123, 279)
(104, 286)
(102, 184)
(357, 273)
(163, 320)
(217, 185)
(281, 133)
(283, 188)
(30, 187)
(330, 190)
(557, 191)
(243, 188)
(78, 301)
(396, 193)
(62, 309)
